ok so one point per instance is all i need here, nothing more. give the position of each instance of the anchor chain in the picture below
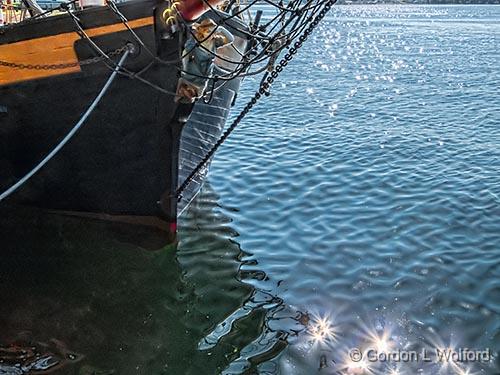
(263, 89)
(90, 61)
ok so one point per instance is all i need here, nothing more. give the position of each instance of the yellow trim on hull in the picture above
(54, 49)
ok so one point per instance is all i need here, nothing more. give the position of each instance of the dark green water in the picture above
(83, 294)
(364, 192)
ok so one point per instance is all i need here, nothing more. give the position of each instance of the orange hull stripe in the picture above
(55, 49)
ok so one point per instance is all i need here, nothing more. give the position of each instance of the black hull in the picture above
(124, 162)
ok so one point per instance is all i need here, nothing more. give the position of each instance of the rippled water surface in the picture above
(358, 205)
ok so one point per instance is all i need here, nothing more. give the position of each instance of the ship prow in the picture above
(123, 164)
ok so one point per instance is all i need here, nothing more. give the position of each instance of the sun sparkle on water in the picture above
(321, 329)
(357, 368)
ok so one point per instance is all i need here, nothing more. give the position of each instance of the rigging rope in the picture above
(62, 7)
(263, 89)
(297, 12)
(301, 17)
(71, 133)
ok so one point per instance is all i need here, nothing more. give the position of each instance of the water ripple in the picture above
(368, 188)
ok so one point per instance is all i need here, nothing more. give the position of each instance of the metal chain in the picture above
(70, 134)
(264, 87)
(90, 61)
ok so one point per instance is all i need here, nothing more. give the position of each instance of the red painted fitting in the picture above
(192, 9)
(173, 227)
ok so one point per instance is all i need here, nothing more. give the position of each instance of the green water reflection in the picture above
(78, 298)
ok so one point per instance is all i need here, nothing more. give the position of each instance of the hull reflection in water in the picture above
(79, 296)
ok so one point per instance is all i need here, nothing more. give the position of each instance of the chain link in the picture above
(292, 51)
(90, 61)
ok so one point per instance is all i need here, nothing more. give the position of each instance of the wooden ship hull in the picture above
(124, 164)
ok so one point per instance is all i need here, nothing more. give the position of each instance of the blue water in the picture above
(367, 187)
(358, 206)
